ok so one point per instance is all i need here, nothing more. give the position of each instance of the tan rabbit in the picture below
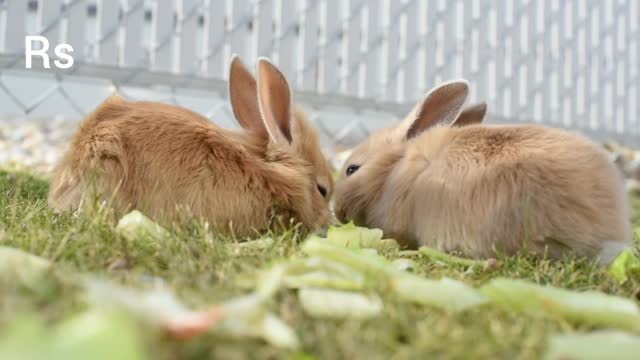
(156, 157)
(473, 114)
(482, 189)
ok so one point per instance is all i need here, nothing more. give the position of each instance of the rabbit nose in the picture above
(341, 215)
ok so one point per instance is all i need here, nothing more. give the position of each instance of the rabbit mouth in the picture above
(344, 216)
(341, 215)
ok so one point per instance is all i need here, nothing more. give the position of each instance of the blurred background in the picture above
(355, 65)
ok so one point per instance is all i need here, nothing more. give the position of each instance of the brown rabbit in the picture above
(482, 189)
(155, 157)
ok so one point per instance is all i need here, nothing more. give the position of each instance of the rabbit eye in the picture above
(352, 168)
(322, 190)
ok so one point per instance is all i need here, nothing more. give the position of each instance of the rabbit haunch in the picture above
(159, 158)
(482, 189)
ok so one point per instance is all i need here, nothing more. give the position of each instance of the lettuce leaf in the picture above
(589, 307)
(604, 344)
(336, 304)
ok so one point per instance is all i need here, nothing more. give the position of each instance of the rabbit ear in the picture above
(274, 99)
(441, 105)
(243, 96)
(473, 114)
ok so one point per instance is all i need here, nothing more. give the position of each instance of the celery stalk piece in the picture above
(246, 317)
(25, 337)
(352, 236)
(440, 256)
(589, 307)
(325, 279)
(353, 258)
(18, 266)
(277, 333)
(404, 264)
(251, 245)
(315, 263)
(270, 281)
(408, 252)
(606, 344)
(135, 226)
(368, 251)
(336, 304)
(155, 306)
(625, 264)
(447, 294)
(94, 334)
(320, 272)
(262, 243)
(98, 334)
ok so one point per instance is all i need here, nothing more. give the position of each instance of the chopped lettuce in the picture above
(244, 316)
(604, 344)
(20, 267)
(247, 316)
(352, 236)
(135, 226)
(325, 279)
(447, 294)
(589, 307)
(277, 333)
(270, 281)
(354, 258)
(320, 272)
(443, 257)
(356, 237)
(325, 303)
(625, 264)
(258, 244)
(155, 306)
(98, 334)
(95, 334)
(404, 264)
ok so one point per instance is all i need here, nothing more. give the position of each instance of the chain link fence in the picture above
(355, 65)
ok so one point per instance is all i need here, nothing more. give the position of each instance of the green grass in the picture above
(202, 271)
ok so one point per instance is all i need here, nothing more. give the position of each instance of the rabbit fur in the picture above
(161, 158)
(485, 189)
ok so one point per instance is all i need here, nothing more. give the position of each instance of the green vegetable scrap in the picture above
(258, 244)
(95, 334)
(594, 346)
(325, 279)
(270, 281)
(320, 272)
(325, 303)
(354, 258)
(589, 307)
(355, 237)
(20, 267)
(450, 259)
(99, 334)
(352, 236)
(247, 316)
(447, 294)
(624, 265)
(155, 306)
(404, 264)
(135, 226)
